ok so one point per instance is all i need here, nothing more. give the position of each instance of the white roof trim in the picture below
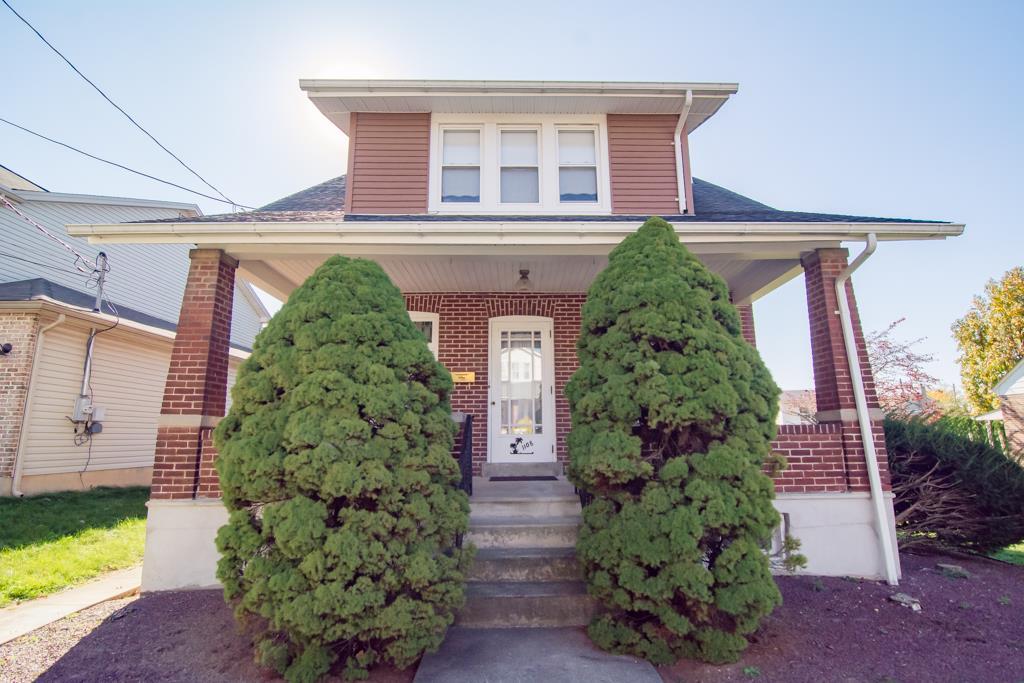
(488, 232)
(378, 87)
(990, 416)
(1009, 379)
(67, 198)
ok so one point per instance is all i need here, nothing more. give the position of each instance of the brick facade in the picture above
(20, 330)
(827, 457)
(196, 389)
(746, 312)
(464, 326)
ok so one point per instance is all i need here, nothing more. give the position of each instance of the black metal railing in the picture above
(465, 450)
(585, 498)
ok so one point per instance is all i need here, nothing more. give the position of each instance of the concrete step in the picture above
(522, 469)
(526, 604)
(525, 564)
(523, 532)
(551, 506)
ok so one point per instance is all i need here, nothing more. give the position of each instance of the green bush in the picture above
(672, 417)
(951, 490)
(335, 464)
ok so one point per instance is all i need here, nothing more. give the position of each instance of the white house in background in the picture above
(46, 318)
(1010, 391)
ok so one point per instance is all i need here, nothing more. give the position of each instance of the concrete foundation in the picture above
(180, 548)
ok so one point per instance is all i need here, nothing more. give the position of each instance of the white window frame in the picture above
(440, 153)
(425, 317)
(559, 164)
(521, 206)
(490, 126)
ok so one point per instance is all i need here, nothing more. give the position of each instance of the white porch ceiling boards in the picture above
(338, 98)
(416, 274)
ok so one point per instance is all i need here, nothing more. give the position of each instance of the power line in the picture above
(121, 166)
(79, 258)
(15, 257)
(116, 106)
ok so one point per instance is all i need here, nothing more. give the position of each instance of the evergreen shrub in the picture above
(672, 418)
(335, 465)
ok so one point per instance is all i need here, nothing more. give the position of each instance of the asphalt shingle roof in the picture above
(324, 203)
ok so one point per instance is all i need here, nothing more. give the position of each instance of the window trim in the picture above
(490, 126)
(521, 128)
(427, 317)
(479, 166)
(559, 165)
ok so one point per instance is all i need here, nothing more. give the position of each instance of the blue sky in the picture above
(909, 109)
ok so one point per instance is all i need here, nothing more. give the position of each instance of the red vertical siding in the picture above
(642, 163)
(389, 163)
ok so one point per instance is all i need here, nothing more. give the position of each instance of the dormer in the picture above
(533, 148)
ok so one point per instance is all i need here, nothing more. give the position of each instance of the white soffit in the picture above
(337, 99)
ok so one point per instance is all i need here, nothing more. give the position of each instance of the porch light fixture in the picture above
(523, 284)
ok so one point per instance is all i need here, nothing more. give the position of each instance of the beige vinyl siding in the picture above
(127, 382)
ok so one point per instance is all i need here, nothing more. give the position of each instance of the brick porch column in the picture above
(196, 389)
(832, 382)
(746, 312)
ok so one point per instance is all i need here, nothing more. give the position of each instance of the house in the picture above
(492, 205)
(63, 424)
(1010, 391)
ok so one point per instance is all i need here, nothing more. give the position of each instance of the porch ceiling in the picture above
(748, 277)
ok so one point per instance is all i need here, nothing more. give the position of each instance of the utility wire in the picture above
(121, 166)
(116, 106)
(15, 257)
(79, 258)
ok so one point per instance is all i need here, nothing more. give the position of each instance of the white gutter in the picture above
(19, 460)
(885, 536)
(677, 141)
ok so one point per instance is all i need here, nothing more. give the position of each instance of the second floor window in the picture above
(577, 166)
(520, 172)
(460, 172)
(519, 164)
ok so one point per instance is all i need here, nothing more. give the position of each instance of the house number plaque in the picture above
(463, 377)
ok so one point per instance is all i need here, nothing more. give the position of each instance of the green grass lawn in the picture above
(52, 541)
(1013, 553)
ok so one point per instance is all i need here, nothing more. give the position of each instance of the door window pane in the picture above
(520, 362)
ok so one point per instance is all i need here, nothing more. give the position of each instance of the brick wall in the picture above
(462, 347)
(20, 331)
(746, 312)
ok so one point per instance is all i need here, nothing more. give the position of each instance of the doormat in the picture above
(544, 478)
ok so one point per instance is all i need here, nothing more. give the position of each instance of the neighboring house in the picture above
(1010, 391)
(492, 205)
(46, 315)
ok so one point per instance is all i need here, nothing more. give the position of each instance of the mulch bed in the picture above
(828, 630)
(968, 630)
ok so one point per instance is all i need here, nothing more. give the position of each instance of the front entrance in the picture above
(521, 393)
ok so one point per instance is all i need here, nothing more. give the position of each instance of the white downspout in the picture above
(864, 417)
(19, 459)
(677, 141)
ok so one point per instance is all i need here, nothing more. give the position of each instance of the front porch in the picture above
(511, 353)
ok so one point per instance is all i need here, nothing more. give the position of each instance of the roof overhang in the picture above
(339, 98)
(1003, 386)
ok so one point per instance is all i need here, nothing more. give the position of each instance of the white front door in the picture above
(521, 417)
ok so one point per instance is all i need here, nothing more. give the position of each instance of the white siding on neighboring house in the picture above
(146, 277)
(127, 382)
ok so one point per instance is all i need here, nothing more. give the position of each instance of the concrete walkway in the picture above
(17, 620)
(528, 655)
